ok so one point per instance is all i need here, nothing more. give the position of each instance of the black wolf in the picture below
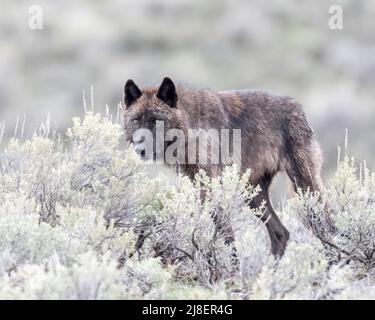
(275, 135)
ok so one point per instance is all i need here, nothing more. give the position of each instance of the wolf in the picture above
(275, 136)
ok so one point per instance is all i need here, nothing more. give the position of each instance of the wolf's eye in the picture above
(135, 121)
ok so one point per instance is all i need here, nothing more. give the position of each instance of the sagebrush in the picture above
(81, 219)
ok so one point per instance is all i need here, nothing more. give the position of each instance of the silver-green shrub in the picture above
(81, 219)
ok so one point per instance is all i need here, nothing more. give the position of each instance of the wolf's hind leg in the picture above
(279, 235)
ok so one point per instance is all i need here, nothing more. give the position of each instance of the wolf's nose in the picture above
(140, 149)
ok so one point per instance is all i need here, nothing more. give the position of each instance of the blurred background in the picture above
(285, 47)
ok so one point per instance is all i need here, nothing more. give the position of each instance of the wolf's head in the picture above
(146, 110)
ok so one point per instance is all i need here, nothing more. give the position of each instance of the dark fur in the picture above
(275, 135)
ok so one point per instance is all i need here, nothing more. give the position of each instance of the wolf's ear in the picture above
(131, 92)
(167, 93)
